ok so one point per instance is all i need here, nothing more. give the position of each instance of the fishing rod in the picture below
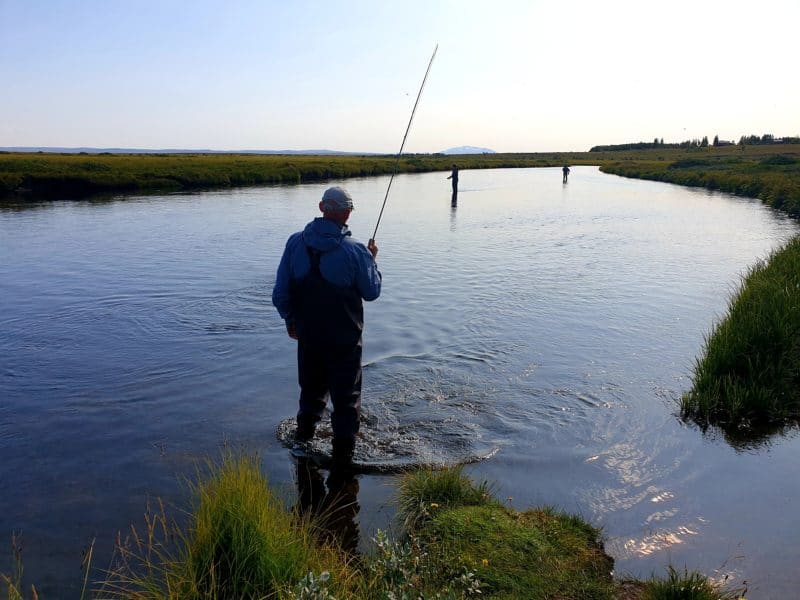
(397, 160)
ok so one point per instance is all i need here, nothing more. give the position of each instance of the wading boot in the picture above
(302, 441)
(343, 451)
(303, 432)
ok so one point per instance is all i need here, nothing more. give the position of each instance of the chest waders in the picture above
(325, 313)
(329, 320)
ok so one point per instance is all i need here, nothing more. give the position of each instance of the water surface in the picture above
(558, 323)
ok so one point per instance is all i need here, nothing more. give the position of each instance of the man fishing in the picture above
(323, 276)
(454, 177)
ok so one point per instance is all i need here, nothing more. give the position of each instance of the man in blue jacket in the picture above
(323, 276)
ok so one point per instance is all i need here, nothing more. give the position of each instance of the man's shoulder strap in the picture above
(314, 254)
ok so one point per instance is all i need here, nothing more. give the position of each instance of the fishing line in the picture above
(397, 160)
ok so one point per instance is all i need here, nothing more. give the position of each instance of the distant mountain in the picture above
(468, 150)
(167, 151)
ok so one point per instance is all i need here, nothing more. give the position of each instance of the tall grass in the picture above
(685, 585)
(749, 373)
(443, 488)
(241, 543)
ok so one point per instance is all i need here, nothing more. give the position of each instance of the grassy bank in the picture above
(749, 374)
(240, 542)
(457, 541)
(770, 173)
(539, 553)
(77, 175)
(748, 379)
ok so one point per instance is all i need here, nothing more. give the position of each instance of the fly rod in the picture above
(397, 160)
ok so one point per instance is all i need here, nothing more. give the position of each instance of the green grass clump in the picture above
(533, 554)
(749, 373)
(686, 585)
(442, 488)
(241, 543)
(539, 553)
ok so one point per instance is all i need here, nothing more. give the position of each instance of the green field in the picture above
(769, 172)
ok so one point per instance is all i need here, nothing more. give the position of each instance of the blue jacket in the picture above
(345, 262)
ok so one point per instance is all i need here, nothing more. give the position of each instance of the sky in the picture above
(512, 76)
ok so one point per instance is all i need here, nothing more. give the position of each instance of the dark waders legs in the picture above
(334, 370)
(454, 199)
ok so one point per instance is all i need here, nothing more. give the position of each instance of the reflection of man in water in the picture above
(565, 171)
(454, 177)
(334, 509)
(323, 276)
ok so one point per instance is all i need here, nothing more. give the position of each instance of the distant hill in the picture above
(468, 150)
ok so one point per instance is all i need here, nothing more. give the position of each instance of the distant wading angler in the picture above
(323, 276)
(454, 177)
(565, 171)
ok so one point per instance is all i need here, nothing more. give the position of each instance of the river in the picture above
(557, 323)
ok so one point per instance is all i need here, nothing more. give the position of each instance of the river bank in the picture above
(79, 175)
(770, 173)
(747, 380)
